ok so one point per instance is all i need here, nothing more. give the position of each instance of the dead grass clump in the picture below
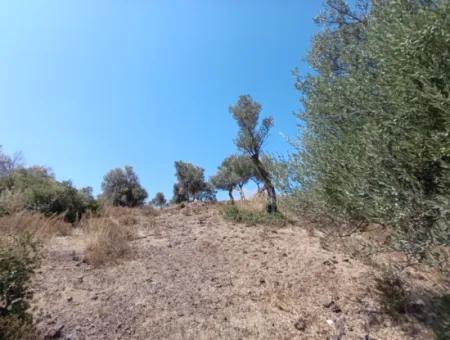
(128, 220)
(35, 223)
(117, 212)
(107, 241)
(148, 211)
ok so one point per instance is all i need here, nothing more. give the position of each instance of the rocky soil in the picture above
(191, 275)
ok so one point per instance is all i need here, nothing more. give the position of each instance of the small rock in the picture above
(262, 281)
(335, 308)
(69, 299)
(300, 325)
(416, 307)
(326, 301)
(54, 333)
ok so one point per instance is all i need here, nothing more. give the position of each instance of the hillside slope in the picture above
(192, 275)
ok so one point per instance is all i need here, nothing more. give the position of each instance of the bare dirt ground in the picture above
(192, 275)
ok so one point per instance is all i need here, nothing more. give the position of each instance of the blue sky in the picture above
(86, 86)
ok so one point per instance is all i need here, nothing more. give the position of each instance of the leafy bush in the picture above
(374, 142)
(252, 218)
(122, 188)
(37, 189)
(19, 259)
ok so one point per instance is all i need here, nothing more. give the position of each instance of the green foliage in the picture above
(19, 258)
(234, 172)
(392, 293)
(36, 188)
(375, 130)
(250, 140)
(18, 261)
(191, 184)
(9, 163)
(159, 200)
(121, 187)
(252, 218)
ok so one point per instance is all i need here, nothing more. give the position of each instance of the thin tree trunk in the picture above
(265, 176)
(241, 192)
(230, 194)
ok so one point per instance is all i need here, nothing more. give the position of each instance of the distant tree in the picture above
(191, 181)
(208, 194)
(244, 169)
(179, 195)
(250, 140)
(234, 173)
(159, 200)
(226, 179)
(122, 188)
(38, 190)
(9, 163)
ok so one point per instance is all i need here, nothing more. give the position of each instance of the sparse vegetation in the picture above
(253, 218)
(350, 233)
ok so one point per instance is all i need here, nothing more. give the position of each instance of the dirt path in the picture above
(194, 276)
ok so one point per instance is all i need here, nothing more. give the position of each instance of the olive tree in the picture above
(250, 140)
(159, 200)
(122, 188)
(374, 142)
(234, 172)
(191, 183)
(226, 179)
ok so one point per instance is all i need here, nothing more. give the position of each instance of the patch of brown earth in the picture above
(191, 275)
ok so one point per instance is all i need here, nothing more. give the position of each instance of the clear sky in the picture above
(89, 85)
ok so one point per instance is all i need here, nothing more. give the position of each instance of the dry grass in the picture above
(35, 223)
(106, 240)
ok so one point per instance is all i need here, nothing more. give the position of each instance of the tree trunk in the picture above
(241, 192)
(265, 176)
(230, 194)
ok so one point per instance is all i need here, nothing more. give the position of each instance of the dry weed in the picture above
(106, 240)
(35, 223)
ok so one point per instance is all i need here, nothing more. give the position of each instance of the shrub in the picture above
(11, 202)
(122, 188)
(36, 189)
(13, 328)
(392, 293)
(252, 218)
(107, 241)
(19, 258)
